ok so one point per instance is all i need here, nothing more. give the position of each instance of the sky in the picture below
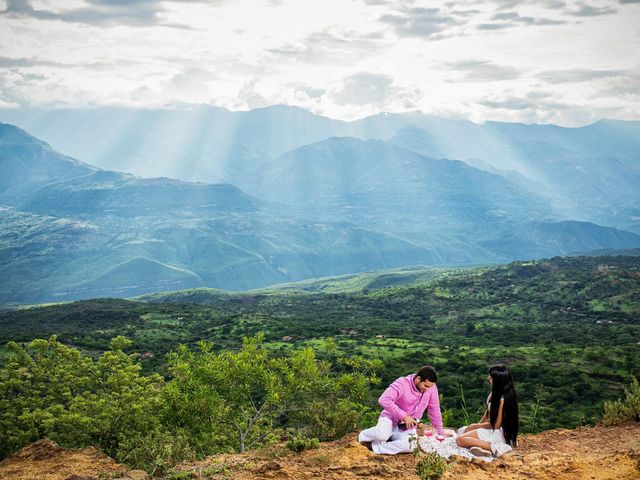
(543, 61)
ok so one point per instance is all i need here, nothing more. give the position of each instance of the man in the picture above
(404, 403)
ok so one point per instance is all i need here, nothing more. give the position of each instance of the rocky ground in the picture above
(585, 453)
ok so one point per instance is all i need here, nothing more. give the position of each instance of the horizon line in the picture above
(185, 106)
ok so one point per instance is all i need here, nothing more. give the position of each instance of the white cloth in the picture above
(448, 448)
(387, 439)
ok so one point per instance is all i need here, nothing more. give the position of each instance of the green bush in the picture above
(431, 466)
(236, 400)
(51, 390)
(214, 402)
(337, 405)
(628, 408)
(298, 444)
(155, 452)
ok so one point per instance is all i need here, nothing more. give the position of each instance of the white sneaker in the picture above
(499, 449)
(480, 452)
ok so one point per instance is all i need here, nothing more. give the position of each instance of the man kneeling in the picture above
(404, 403)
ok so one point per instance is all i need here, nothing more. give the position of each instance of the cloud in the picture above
(532, 100)
(249, 97)
(465, 13)
(421, 22)
(538, 107)
(16, 87)
(577, 75)
(483, 71)
(548, 4)
(330, 45)
(509, 104)
(624, 86)
(98, 12)
(7, 62)
(192, 79)
(106, 65)
(311, 92)
(514, 19)
(364, 88)
(493, 26)
(508, 4)
(367, 89)
(4, 104)
(586, 10)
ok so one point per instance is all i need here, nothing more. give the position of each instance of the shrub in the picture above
(155, 452)
(234, 400)
(620, 411)
(431, 466)
(51, 390)
(298, 444)
(327, 419)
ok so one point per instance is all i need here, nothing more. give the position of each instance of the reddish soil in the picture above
(599, 453)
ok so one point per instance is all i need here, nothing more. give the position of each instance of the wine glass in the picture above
(428, 431)
(440, 437)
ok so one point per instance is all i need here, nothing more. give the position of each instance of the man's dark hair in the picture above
(428, 373)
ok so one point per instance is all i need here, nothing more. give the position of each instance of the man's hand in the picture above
(410, 422)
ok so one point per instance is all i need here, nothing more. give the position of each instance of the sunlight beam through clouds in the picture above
(468, 59)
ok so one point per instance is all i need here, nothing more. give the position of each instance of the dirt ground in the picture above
(599, 453)
(46, 460)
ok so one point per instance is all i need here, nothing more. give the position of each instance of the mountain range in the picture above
(297, 196)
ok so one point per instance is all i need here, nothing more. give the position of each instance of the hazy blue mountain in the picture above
(113, 193)
(432, 202)
(74, 231)
(379, 185)
(71, 230)
(27, 162)
(586, 173)
(419, 140)
(590, 173)
(44, 258)
(544, 239)
(201, 143)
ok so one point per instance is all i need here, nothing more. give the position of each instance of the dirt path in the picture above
(599, 453)
(585, 453)
(45, 460)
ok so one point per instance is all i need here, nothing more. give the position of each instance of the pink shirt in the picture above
(402, 398)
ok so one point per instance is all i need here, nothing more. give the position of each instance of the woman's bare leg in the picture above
(470, 439)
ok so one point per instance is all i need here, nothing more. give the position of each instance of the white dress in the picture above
(489, 434)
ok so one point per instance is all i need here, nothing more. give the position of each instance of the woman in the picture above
(497, 431)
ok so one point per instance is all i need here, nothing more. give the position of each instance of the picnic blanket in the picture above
(448, 448)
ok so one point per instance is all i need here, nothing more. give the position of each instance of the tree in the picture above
(51, 390)
(236, 400)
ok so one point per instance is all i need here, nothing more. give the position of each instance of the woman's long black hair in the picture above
(502, 386)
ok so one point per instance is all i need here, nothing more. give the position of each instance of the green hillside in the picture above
(569, 327)
(352, 283)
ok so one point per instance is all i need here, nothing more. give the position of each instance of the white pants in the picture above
(387, 439)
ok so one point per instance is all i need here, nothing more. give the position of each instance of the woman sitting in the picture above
(497, 431)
